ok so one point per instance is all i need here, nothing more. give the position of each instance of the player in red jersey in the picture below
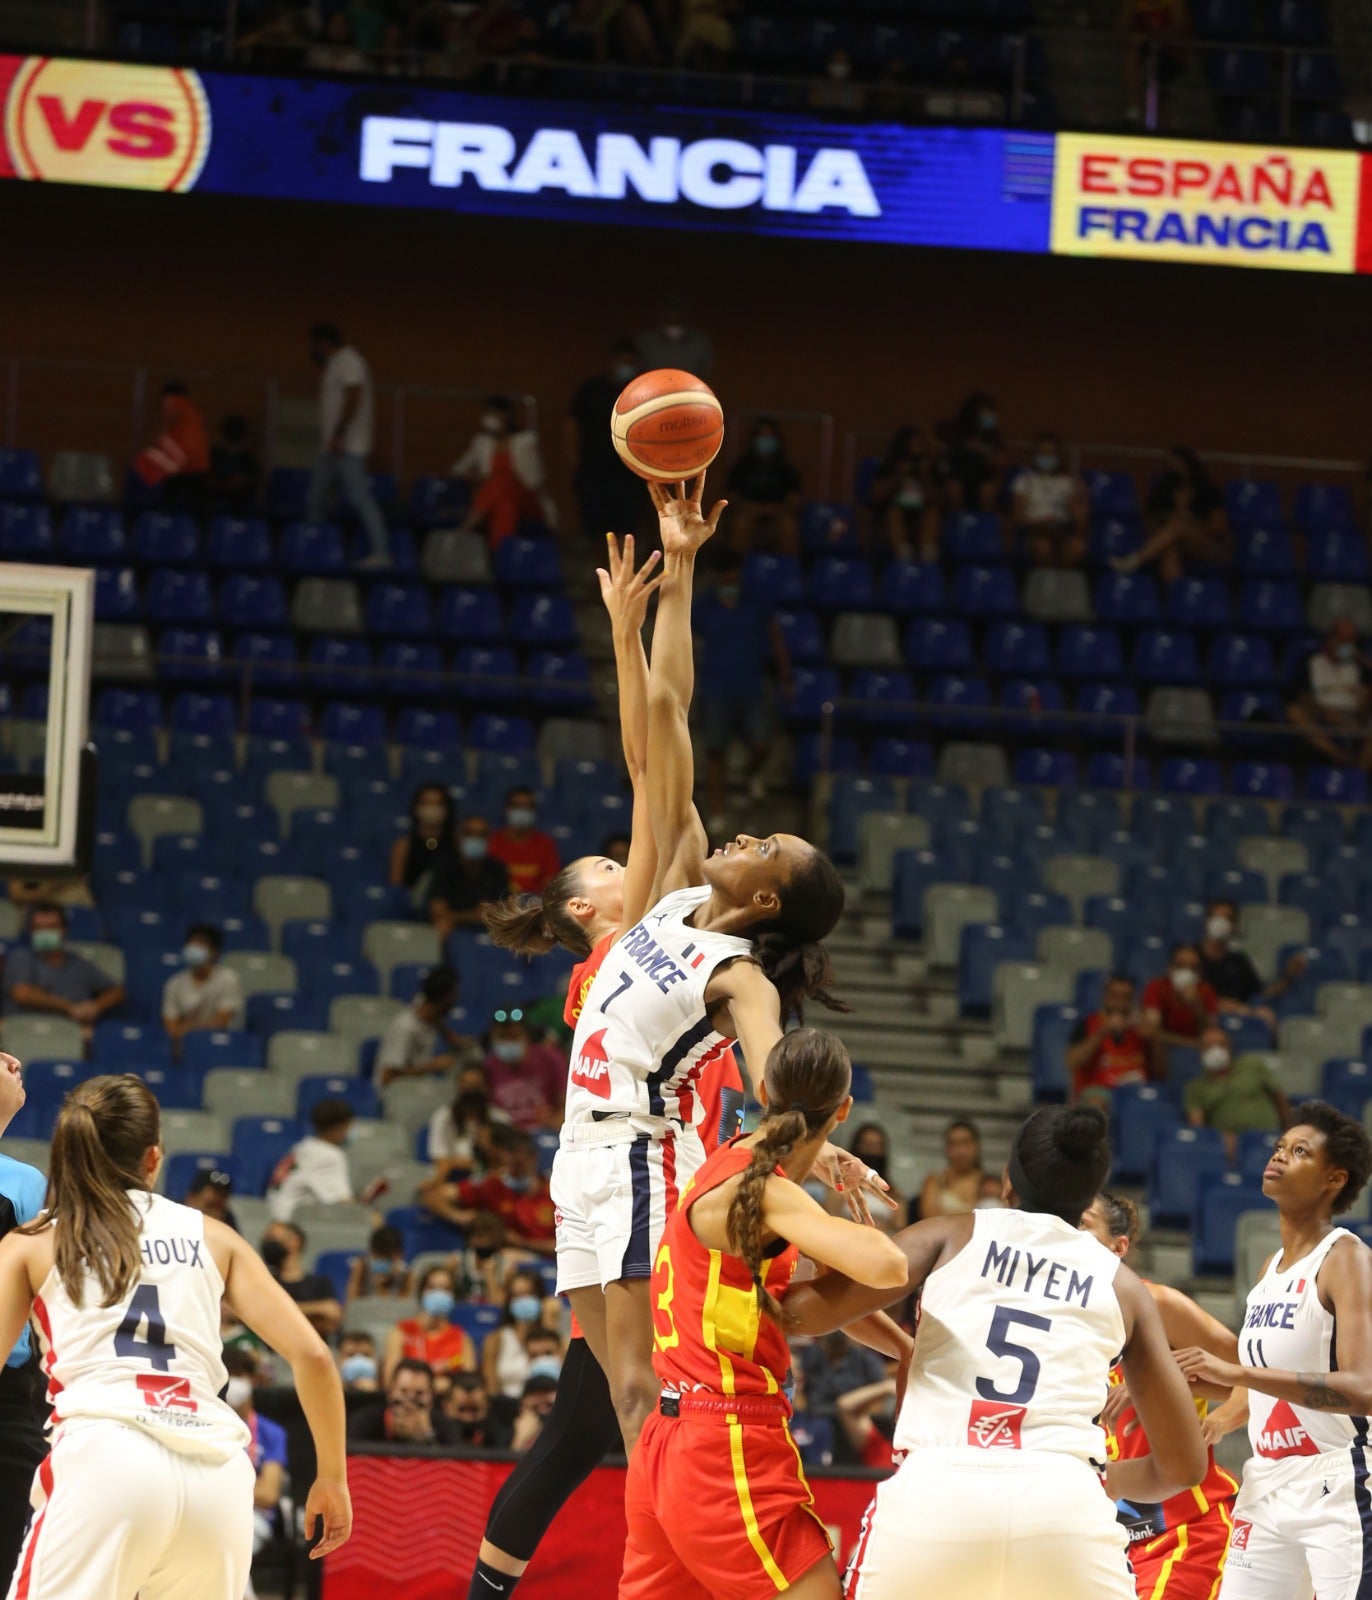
(1176, 1549)
(720, 1437)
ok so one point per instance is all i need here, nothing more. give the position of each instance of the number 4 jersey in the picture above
(154, 1359)
(1016, 1338)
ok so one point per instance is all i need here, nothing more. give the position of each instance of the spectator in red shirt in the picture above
(867, 1417)
(1113, 1046)
(528, 1081)
(528, 854)
(514, 1190)
(1178, 1006)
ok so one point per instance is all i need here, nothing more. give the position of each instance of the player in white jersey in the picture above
(1021, 1318)
(148, 1488)
(1304, 1378)
(729, 948)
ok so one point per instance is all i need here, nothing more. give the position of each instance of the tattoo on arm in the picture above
(1321, 1396)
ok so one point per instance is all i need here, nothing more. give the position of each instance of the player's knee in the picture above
(634, 1395)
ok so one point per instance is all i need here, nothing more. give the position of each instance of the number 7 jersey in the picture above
(154, 1359)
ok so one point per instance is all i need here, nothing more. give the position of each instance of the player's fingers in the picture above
(698, 485)
(658, 495)
(654, 583)
(716, 512)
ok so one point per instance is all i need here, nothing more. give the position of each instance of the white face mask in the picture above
(239, 1392)
(1215, 1058)
(1219, 929)
(1184, 979)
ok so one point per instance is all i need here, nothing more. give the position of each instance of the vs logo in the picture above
(161, 1392)
(96, 122)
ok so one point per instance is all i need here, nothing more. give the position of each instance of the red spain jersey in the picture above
(709, 1332)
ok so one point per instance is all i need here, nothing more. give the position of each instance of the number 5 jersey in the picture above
(154, 1359)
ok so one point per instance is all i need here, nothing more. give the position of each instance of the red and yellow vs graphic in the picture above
(104, 123)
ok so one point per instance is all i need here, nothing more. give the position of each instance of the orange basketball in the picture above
(667, 425)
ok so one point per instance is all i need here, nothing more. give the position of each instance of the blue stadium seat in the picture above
(176, 1088)
(1315, 75)
(267, 659)
(1245, 1033)
(911, 587)
(1165, 656)
(116, 595)
(1037, 909)
(985, 592)
(1053, 1028)
(258, 1144)
(1112, 493)
(314, 548)
(92, 535)
(1347, 1085)
(895, 757)
(881, 699)
(279, 720)
(46, 1084)
(339, 666)
(1110, 702)
(1198, 603)
(190, 655)
(842, 583)
(398, 610)
(1338, 555)
(1242, 661)
(124, 1046)
(337, 1267)
(1129, 598)
(1264, 552)
(21, 477)
(1322, 901)
(1253, 1153)
(204, 713)
(812, 688)
(936, 644)
(183, 1167)
(1017, 648)
(247, 600)
(1221, 1199)
(982, 947)
(972, 537)
(163, 538)
(429, 730)
(803, 635)
(563, 680)
(828, 528)
(1321, 506)
(287, 490)
(528, 562)
(1271, 604)
(1034, 700)
(421, 1230)
(359, 1094)
(487, 673)
(26, 532)
(773, 580)
(203, 1050)
(241, 543)
(1253, 502)
(542, 621)
(850, 799)
(473, 616)
(194, 854)
(349, 723)
(915, 871)
(180, 596)
(439, 502)
(1089, 652)
(1054, 769)
(510, 735)
(1339, 785)
(1266, 780)
(1141, 1112)
(1181, 1158)
(1112, 538)
(1319, 827)
(1297, 22)
(959, 703)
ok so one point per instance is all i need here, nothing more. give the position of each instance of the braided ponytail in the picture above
(531, 924)
(781, 1133)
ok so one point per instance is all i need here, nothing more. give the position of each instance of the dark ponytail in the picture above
(789, 948)
(531, 925)
(104, 1131)
(808, 1077)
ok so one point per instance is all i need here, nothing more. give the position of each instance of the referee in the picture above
(22, 1446)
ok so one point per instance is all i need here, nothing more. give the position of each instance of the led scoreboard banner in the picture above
(399, 143)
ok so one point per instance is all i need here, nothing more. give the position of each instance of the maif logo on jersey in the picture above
(1285, 1435)
(994, 1426)
(592, 1067)
(98, 122)
(164, 1393)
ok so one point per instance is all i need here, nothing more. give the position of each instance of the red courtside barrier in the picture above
(417, 1524)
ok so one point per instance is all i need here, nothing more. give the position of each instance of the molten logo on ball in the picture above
(118, 126)
(667, 425)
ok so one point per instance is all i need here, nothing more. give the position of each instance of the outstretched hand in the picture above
(680, 517)
(850, 1176)
(624, 591)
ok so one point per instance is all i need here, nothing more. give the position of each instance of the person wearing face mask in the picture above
(524, 1337)
(514, 1190)
(1179, 1005)
(970, 471)
(1113, 1046)
(357, 1365)
(266, 1445)
(488, 1260)
(407, 1415)
(420, 1042)
(203, 994)
(764, 488)
(48, 977)
(1333, 710)
(1052, 507)
(471, 879)
(283, 1251)
(467, 1405)
(674, 343)
(431, 1336)
(608, 495)
(902, 504)
(504, 465)
(836, 91)
(383, 1270)
(527, 853)
(1236, 1097)
(460, 1133)
(1231, 973)
(316, 1171)
(419, 856)
(528, 1080)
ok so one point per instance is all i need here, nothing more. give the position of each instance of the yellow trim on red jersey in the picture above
(745, 1505)
(1179, 1554)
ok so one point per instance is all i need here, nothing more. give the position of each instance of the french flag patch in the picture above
(689, 951)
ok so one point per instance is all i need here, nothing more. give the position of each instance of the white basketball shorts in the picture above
(1303, 1521)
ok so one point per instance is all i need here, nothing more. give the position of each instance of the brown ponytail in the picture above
(532, 924)
(788, 947)
(104, 1130)
(808, 1077)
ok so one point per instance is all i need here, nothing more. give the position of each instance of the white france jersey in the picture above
(154, 1359)
(1016, 1338)
(1285, 1326)
(643, 1036)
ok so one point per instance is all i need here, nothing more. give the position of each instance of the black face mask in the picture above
(274, 1254)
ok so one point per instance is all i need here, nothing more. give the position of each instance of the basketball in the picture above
(667, 425)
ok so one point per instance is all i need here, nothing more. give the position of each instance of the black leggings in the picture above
(580, 1432)
(22, 1447)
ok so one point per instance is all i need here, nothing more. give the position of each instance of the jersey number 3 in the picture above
(999, 1345)
(144, 1306)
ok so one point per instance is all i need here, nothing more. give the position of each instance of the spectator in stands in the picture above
(1236, 1097)
(467, 1405)
(834, 1366)
(515, 1190)
(461, 886)
(1113, 1046)
(266, 1447)
(1186, 520)
(1179, 1005)
(460, 1134)
(48, 977)
(383, 1271)
(211, 1192)
(971, 467)
(203, 995)
(420, 1042)
(419, 856)
(528, 1080)
(1231, 973)
(736, 639)
(836, 91)
(870, 1144)
(488, 1261)
(610, 498)
(335, 51)
(675, 343)
(357, 1362)
(618, 32)
(407, 1415)
(616, 847)
(764, 488)
(345, 430)
(867, 1418)
(1051, 506)
(1154, 31)
(527, 853)
(504, 465)
(234, 470)
(902, 501)
(178, 459)
(507, 1357)
(432, 1336)
(1333, 709)
(954, 1191)
(534, 1407)
(814, 1436)
(991, 1196)
(316, 1171)
(283, 1250)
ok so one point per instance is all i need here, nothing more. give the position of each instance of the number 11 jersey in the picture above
(1016, 1338)
(154, 1359)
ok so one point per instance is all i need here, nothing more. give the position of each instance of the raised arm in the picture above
(676, 824)
(835, 1300)
(864, 1254)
